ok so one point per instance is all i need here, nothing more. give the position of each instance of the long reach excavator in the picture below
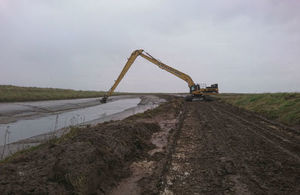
(196, 92)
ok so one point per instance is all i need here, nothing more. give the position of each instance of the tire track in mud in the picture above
(146, 172)
(276, 154)
(281, 130)
(221, 151)
(225, 163)
(265, 132)
(236, 170)
(270, 149)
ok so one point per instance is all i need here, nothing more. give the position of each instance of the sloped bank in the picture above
(86, 160)
(59, 121)
(282, 107)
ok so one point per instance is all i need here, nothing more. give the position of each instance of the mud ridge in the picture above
(90, 160)
(222, 151)
(178, 148)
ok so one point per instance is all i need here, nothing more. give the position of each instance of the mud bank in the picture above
(89, 160)
(177, 148)
(11, 112)
(146, 102)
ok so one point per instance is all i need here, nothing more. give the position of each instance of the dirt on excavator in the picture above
(178, 148)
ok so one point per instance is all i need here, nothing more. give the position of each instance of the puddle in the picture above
(23, 129)
(141, 169)
(129, 186)
(160, 139)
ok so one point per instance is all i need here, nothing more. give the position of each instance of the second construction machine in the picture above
(196, 92)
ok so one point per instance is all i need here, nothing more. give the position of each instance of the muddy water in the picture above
(23, 129)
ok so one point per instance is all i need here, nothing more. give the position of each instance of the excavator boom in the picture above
(194, 89)
(128, 64)
(171, 70)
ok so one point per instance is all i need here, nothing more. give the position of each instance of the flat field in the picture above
(10, 93)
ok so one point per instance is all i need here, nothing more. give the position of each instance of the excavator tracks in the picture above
(224, 150)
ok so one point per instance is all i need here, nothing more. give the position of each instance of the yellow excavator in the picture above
(196, 92)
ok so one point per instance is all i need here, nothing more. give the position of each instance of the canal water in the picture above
(23, 129)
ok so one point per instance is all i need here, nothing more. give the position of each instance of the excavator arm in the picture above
(171, 70)
(128, 64)
(148, 57)
(195, 90)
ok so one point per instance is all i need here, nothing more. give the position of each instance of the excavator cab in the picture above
(202, 92)
(194, 88)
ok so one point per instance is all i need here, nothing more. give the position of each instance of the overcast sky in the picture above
(245, 46)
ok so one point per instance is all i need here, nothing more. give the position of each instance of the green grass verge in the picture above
(10, 93)
(283, 107)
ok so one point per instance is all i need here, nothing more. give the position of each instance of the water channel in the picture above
(23, 129)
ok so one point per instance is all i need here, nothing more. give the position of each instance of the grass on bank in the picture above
(55, 140)
(283, 107)
(10, 93)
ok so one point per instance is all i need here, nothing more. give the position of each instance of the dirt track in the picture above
(221, 149)
(178, 148)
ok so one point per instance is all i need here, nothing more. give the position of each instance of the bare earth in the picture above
(177, 148)
(223, 150)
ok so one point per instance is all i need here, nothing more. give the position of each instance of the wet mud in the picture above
(178, 148)
(54, 129)
(224, 150)
(91, 160)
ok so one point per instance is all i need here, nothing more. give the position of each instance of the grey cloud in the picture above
(245, 46)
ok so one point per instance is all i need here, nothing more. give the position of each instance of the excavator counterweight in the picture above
(196, 92)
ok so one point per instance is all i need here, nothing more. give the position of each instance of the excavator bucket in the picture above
(103, 100)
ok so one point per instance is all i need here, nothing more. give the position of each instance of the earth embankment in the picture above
(178, 148)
